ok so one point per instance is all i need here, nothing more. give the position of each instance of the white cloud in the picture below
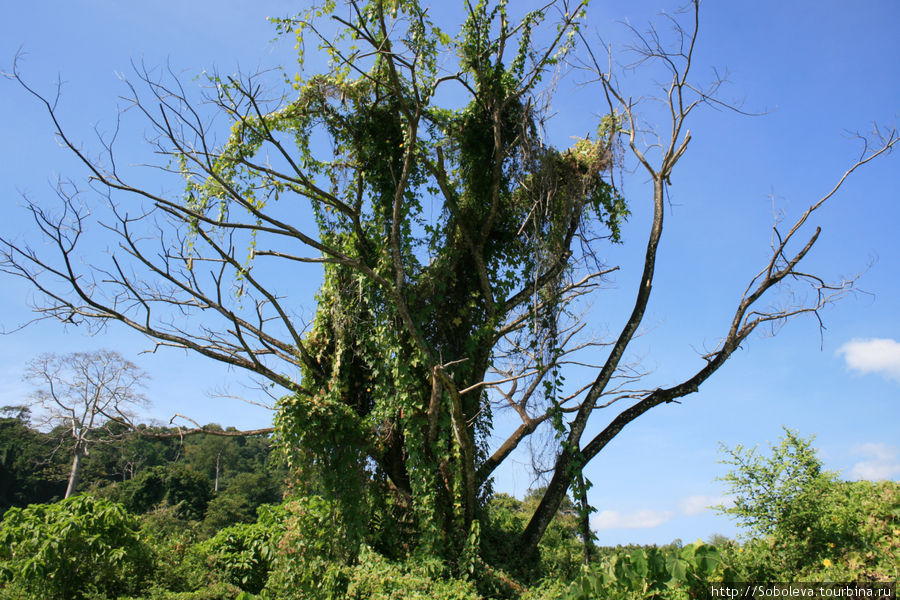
(695, 505)
(639, 519)
(875, 355)
(648, 518)
(882, 462)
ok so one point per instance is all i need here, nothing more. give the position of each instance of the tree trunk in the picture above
(550, 503)
(76, 470)
(585, 521)
(216, 490)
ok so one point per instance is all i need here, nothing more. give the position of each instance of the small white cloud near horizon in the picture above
(647, 518)
(873, 355)
(638, 519)
(695, 505)
(882, 462)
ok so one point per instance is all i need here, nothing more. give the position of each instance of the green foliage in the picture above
(377, 578)
(165, 521)
(546, 589)
(175, 484)
(72, 549)
(855, 536)
(185, 489)
(118, 454)
(559, 553)
(808, 524)
(242, 555)
(865, 516)
(323, 449)
(121, 459)
(667, 572)
(238, 503)
(414, 298)
(224, 457)
(28, 472)
(179, 567)
(315, 551)
(217, 591)
(773, 492)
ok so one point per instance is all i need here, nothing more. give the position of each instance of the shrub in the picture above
(218, 591)
(314, 551)
(670, 572)
(77, 547)
(242, 554)
(808, 524)
(178, 565)
(375, 577)
(559, 552)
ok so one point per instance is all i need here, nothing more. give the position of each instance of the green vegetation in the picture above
(806, 524)
(456, 248)
(144, 469)
(26, 476)
(79, 547)
(392, 415)
(801, 523)
(669, 572)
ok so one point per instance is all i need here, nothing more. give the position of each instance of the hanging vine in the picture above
(413, 303)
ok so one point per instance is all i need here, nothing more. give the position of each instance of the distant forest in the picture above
(219, 480)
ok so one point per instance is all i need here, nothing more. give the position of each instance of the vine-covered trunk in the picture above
(584, 519)
(446, 236)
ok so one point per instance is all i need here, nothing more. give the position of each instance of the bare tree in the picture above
(425, 323)
(772, 297)
(85, 391)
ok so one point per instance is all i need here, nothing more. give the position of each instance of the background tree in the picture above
(803, 522)
(221, 453)
(429, 322)
(211, 454)
(27, 466)
(122, 450)
(244, 493)
(87, 392)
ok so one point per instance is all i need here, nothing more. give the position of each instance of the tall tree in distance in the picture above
(86, 392)
(456, 247)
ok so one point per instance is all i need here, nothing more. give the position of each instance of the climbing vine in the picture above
(440, 229)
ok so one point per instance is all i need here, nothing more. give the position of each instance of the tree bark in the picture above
(563, 471)
(216, 488)
(75, 473)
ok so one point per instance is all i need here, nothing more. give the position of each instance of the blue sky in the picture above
(819, 71)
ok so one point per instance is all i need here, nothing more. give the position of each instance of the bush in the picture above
(375, 577)
(559, 552)
(670, 572)
(808, 525)
(873, 510)
(218, 591)
(242, 555)
(314, 552)
(179, 567)
(77, 547)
